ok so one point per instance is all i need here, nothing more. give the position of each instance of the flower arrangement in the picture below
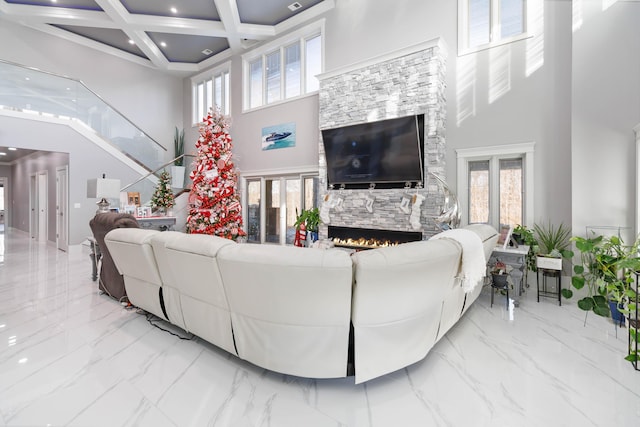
(215, 204)
(163, 196)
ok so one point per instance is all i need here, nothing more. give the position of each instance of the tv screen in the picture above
(388, 153)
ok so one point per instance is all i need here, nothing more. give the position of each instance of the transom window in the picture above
(284, 69)
(210, 90)
(487, 23)
(495, 184)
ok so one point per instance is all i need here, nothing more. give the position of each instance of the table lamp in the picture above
(103, 189)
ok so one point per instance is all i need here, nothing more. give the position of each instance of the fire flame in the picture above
(363, 243)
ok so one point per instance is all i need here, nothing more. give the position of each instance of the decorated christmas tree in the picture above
(215, 204)
(162, 198)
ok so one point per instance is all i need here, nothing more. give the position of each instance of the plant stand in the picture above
(499, 283)
(633, 323)
(550, 268)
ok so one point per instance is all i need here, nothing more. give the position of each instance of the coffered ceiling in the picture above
(179, 36)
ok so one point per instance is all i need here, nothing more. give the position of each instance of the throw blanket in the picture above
(474, 265)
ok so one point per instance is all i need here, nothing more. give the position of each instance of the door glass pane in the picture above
(292, 73)
(255, 72)
(272, 231)
(273, 77)
(479, 192)
(479, 21)
(511, 185)
(226, 94)
(313, 63)
(209, 96)
(511, 17)
(310, 192)
(253, 216)
(200, 102)
(293, 207)
(218, 91)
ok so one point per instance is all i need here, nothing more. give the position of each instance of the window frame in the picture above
(494, 154)
(495, 38)
(281, 177)
(280, 45)
(204, 79)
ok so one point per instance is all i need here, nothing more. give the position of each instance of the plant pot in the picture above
(548, 263)
(499, 281)
(616, 316)
(177, 176)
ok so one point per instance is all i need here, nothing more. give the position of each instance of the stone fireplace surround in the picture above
(406, 82)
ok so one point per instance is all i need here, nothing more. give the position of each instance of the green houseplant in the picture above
(178, 168)
(606, 270)
(311, 220)
(178, 145)
(525, 236)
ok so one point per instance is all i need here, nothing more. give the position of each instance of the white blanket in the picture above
(474, 265)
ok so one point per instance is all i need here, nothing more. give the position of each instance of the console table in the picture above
(517, 259)
(162, 223)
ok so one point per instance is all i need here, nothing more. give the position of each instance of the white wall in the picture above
(606, 107)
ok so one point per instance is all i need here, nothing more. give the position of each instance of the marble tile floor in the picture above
(72, 357)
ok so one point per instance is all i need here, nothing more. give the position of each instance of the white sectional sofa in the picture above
(290, 309)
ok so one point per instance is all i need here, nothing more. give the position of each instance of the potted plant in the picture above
(553, 243)
(606, 268)
(525, 236)
(178, 169)
(311, 219)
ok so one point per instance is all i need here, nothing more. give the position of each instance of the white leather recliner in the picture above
(397, 303)
(133, 256)
(290, 307)
(191, 258)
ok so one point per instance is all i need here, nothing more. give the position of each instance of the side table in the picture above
(517, 259)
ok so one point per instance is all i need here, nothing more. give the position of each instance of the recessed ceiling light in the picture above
(173, 10)
(12, 148)
(131, 42)
(27, 78)
(2, 154)
(294, 6)
(163, 44)
(207, 52)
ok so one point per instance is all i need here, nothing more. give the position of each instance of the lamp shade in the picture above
(103, 188)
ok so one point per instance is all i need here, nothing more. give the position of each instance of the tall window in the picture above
(284, 69)
(488, 23)
(273, 203)
(209, 90)
(495, 184)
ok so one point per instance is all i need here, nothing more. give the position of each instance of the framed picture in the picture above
(133, 198)
(143, 212)
(130, 209)
(505, 235)
(278, 136)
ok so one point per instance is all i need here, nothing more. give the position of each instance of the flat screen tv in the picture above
(387, 153)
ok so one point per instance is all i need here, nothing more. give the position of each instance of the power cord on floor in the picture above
(153, 319)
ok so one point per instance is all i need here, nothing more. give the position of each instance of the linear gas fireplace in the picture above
(370, 238)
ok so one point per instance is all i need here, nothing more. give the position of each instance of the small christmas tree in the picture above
(162, 198)
(215, 204)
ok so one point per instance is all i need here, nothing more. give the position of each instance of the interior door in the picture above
(42, 206)
(62, 202)
(33, 207)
